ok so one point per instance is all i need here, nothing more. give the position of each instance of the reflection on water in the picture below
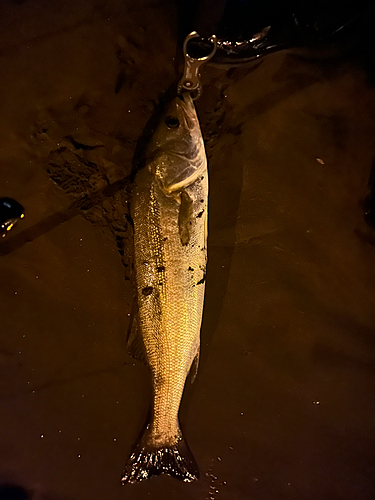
(281, 406)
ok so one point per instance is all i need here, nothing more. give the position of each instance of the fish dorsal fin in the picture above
(134, 345)
(194, 366)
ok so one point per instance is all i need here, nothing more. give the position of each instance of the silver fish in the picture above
(169, 211)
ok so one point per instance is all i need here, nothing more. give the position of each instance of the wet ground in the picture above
(283, 404)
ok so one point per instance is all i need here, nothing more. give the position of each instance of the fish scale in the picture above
(170, 235)
(177, 303)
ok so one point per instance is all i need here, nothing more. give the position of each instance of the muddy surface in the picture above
(282, 407)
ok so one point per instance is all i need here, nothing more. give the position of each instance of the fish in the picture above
(169, 213)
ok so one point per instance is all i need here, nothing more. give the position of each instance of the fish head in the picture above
(176, 154)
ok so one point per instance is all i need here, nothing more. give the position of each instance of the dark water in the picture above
(283, 404)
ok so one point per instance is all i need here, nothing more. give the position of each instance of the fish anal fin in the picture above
(134, 345)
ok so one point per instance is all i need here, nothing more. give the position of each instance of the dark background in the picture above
(283, 404)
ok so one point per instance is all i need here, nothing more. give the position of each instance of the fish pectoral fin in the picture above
(194, 366)
(185, 217)
(134, 345)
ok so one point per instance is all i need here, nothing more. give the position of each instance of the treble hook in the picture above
(190, 80)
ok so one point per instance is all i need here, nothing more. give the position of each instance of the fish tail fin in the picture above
(149, 460)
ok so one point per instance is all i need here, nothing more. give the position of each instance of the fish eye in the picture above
(172, 122)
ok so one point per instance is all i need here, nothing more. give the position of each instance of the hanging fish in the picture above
(169, 211)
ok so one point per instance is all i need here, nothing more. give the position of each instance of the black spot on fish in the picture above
(160, 269)
(200, 214)
(200, 282)
(202, 177)
(165, 238)
(202, 201)
(160, 284)
(190, 269)
(147, 290)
